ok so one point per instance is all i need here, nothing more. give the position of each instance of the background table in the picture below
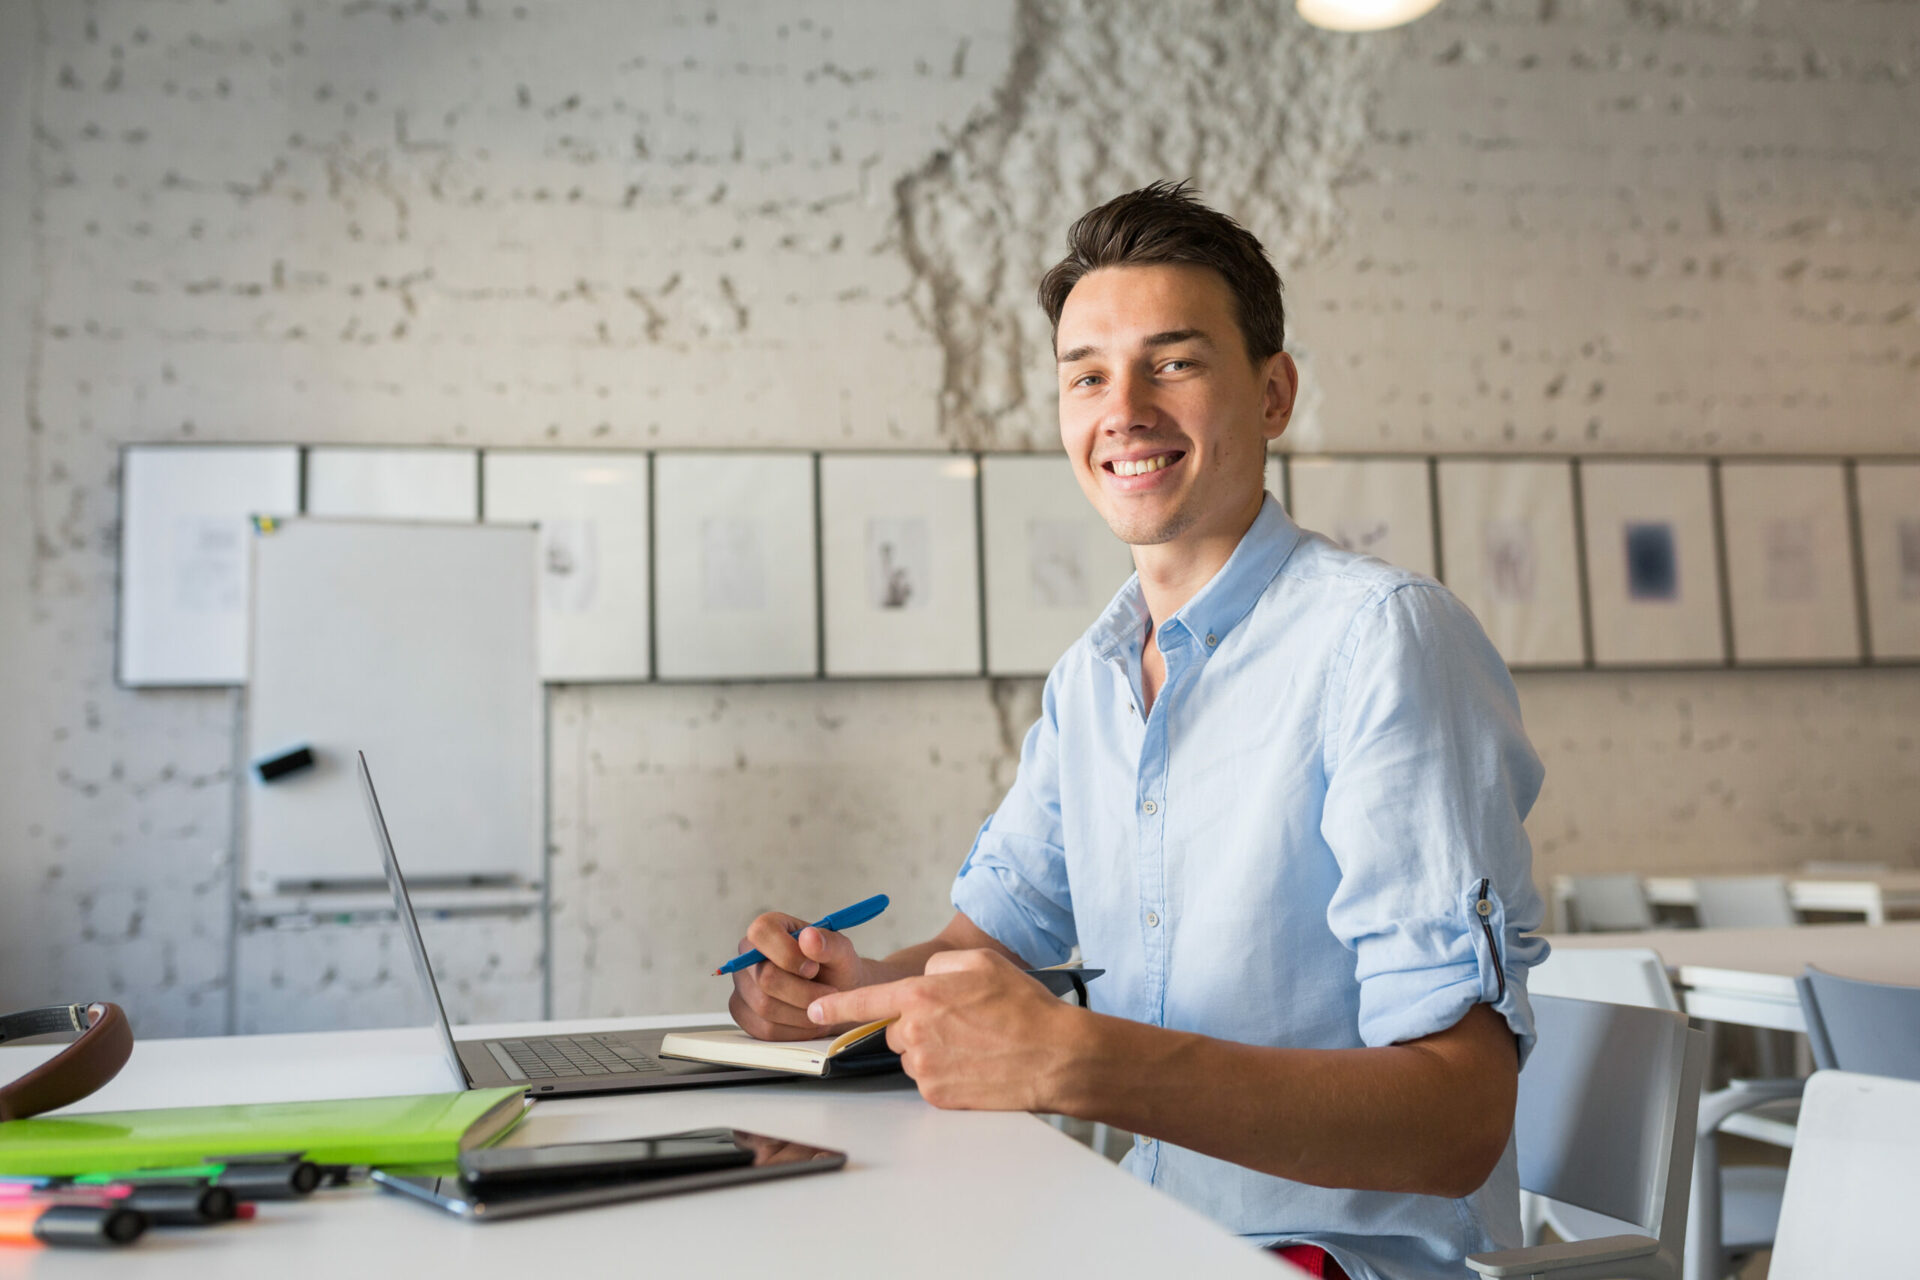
(1746, 975)
(925, 1192)
(1875, 896)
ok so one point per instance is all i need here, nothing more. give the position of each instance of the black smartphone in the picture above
(659, 1155)
(767, 1158)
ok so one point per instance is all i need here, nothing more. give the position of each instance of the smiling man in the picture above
(1276, 791)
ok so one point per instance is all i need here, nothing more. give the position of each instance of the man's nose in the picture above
(1129, 405)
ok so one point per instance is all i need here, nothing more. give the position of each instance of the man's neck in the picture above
(1172, 573)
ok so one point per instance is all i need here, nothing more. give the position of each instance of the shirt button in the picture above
(1212, 640)
(1153, 919)
(1484, 907)
(1149, 808)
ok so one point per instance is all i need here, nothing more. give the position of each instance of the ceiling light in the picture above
(1362, 15)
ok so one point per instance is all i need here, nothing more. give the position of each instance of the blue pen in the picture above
(844, 918)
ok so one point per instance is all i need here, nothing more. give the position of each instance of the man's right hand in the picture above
(770, 999)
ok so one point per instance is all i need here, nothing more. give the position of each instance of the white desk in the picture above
(1875, 896)
(925, 1192)
(1746, 975)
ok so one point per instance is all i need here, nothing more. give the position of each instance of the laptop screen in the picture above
(403, 908)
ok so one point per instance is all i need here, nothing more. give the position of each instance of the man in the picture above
(1276, 791)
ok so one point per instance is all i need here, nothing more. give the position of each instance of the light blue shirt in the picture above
(1314, 841)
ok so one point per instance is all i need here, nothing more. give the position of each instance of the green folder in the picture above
(405, 1130)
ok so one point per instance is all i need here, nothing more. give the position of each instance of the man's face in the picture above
(1163, 414)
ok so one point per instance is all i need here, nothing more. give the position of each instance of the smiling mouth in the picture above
(1143, 466)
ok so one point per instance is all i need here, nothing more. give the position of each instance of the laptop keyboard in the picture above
(558, 1057)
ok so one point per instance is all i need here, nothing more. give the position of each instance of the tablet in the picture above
(447, 1190)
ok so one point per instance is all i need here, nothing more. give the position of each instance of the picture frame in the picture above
(1653, 574)
(900, 564)
(594, 512)
(1382, 506)
(393, 482)
(1888, 509)
(1051, 563)
(735, 567)
(1790, 574)
(186, 563)
(1511, 553)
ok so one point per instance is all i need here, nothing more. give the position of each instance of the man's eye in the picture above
(1176, 366)
(1085, 380)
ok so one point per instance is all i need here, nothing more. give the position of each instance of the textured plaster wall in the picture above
(1600, 226)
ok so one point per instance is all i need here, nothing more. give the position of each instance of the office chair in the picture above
(1605, 1123)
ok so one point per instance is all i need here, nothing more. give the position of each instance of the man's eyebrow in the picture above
(1171, 336)
(1165, 338)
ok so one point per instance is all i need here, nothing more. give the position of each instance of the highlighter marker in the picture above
(247, 1180)
(179, 1204)
(71, 1225)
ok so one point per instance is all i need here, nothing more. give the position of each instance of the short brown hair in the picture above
(1164, 223)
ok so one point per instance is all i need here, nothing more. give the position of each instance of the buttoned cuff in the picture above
(1480, 961)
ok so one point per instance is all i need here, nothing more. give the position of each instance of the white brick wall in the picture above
(1544, 226)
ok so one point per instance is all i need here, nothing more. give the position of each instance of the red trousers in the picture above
(1312, 1259)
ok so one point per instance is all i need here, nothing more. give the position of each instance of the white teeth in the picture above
(1121, 467)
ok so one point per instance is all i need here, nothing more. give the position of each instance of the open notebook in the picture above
(856, 1052)
(861, 1051)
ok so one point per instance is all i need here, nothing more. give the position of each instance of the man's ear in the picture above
(1281, 386)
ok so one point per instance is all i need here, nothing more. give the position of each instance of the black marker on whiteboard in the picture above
(275, 767)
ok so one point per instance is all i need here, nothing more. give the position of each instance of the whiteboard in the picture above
(393, 483)
(416, 644)
(593, 515)
(184, 565)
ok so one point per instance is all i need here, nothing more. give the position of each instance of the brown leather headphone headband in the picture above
(105, 1043)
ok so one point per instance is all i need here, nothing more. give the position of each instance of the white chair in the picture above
(1608, 904)
(1733, 1208)
(1854, 1181)
(1605, 1123)
(1744, 902)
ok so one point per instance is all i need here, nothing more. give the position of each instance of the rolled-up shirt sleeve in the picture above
(1013, 883)
(1429, 779)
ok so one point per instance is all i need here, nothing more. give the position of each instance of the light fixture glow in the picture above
(1362, 15)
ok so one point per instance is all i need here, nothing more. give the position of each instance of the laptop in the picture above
(548, 1066)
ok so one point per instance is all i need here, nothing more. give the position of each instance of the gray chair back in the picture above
(1867, 1027)
(1609, 904)
(1612, 975)
(1745, 902)
(1606, 1112)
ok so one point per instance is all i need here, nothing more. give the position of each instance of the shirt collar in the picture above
(1217, 607)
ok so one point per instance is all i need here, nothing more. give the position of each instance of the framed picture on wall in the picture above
(735, 595)
(1382, 506)
(396, 482)
(186, 563)
(1508, 543)
(1051, 562)
(1653, 578)
(592, 511)
(1790, 581)
(1889, 494)
(899, 564)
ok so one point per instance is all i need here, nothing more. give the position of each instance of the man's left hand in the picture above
(974, 1032)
